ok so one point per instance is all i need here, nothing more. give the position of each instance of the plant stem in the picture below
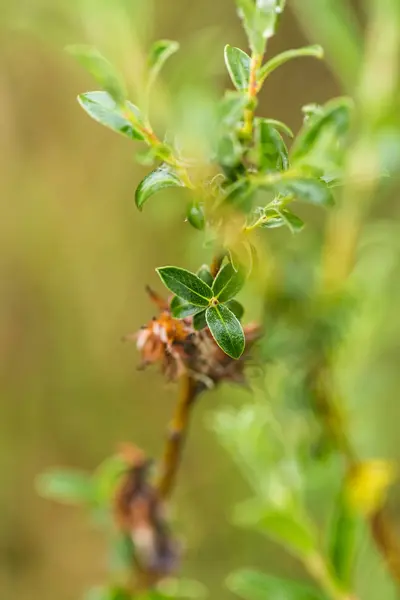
(176, 437)
(386, 541)
(162, 151)
(318, 569)
(379, 523)
(256, 60)
(377, 92)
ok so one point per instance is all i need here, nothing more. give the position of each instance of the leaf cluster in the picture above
(248, 158)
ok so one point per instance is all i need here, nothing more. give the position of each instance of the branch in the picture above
(386, 541)
(176, 438)
(334, 425)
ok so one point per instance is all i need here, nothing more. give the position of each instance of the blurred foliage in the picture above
(74, 260)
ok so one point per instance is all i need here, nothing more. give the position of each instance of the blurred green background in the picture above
(75, 256)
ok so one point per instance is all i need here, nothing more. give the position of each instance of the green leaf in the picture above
(103, 109)
(273, 219)
(231, 108)
(205, 274)
(238, 65)
(285, 526)
(229, 150)
(315, 51)
(195, 216)
(298, 186)
(228, 283)
(181, 308)
(122, 552)
(226, 330)
(309, 190)
(66, 486)
(236, 308)
(106, 478)
(239, 195)
(186, 285)
(146, 157)
(259, 20)
(101, 69)
(272, 152)
(159, 53)
(243, 256)
(294, 222)
(159, 179)
(107, 593)
(253, 585)
(279, 125)
(199, 320)
(172, 587)
(334, 116)
(343, 540)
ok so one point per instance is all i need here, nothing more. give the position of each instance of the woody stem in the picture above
(173, 449)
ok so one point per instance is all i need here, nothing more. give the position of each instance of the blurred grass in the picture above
(74, 259)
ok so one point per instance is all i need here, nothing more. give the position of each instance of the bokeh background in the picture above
(75, 256)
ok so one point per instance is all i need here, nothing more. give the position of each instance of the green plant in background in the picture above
(244, 179)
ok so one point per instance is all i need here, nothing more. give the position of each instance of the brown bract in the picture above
(140, 513)
(179, 349)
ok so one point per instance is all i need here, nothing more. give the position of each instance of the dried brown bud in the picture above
(180, 349)
(140, 513)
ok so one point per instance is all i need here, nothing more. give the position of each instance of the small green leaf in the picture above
(122, 552)
(226, 330)
(294, 222)
(273, 219)
(205, 274)
(231, 108)
(66, 486)
(344, 539)
(181, 588)
(334, 116)
(101, 69)
(229, 150)
(228, 283)
(315, 51)
(239, 195)
(106, 478)
(146, 157)
(238, 65)
(285, 526)
(309, 190)
(259, 20)
(160, 179)
(186, 285)
(253, 585)
(181, 308)
(107, 593)
(103, 109)
(243, 256)
(272, 152)
(199, 321)
(236, 308)
(279, 125)
(159, 53)
(195, 216)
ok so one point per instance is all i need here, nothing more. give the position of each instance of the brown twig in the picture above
(176, 437)
(386, 541)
